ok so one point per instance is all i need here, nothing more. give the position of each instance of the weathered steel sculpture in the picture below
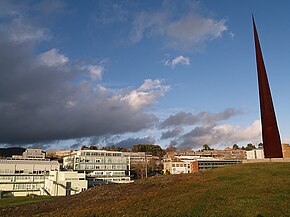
(270, 131)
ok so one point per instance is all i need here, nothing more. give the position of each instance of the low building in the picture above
(31, 154)
(100, 166)
(206, 164)
(193, 164)
(63, 183)
(226, 154)
(177, 167)
(255, 154)
(21, 177)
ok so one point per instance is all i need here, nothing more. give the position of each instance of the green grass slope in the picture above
(241, 190)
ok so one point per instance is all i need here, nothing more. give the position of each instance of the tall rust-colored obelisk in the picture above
(270, 131)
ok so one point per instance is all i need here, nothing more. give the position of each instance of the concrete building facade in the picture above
(255, 154)
(100, 165)
(31, 154)
(286, 150)
(22, 177)
(177, 167)
(63, 183)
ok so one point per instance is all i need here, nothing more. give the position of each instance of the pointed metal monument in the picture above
(270, 131)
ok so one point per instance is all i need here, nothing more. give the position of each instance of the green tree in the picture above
(206, 147)
(250, 146)
(235, 147)
(155, 150)
(84, 147)
(93, 147)
(260, 145)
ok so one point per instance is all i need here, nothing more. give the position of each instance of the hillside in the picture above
(241, 190)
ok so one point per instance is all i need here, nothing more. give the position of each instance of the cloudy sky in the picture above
(120, 73)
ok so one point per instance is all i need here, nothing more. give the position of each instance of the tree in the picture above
(155, 150)
(84, 147)
(235, 147)
(260, 145)
(250, 146)
(206, 147)
(93, 147)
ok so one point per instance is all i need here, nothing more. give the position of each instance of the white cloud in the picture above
(221, 135)
(53, 58)
(20, 31)
(146, 94)
(236, 134)
(177, 60)
(96, 71)
(182, 33)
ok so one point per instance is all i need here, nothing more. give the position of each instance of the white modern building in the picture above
(61, 183)
(255, 154)
(177, 167)
(30, 154)
(100, 166)
(22, 177)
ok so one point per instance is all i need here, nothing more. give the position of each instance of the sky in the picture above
(171, 73)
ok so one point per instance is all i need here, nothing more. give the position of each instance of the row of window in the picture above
(27, 186)
(101, 154)
(100, 167)
(109, 173)
(30, 178)
(101, 160)
(180, 165)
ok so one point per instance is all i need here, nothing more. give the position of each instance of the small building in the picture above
(206, 164)
(255, 154)
(63, 183)
(31, 154)
(193, 164)
(177, 167)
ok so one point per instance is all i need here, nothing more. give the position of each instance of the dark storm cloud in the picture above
(129, 142)
(186, 118)
(54, 99)
(172, 133)
(197, 137)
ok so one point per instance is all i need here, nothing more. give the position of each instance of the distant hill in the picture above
(240, 190)
(8, 152)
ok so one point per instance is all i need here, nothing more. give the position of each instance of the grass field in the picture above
(241, 190)
(14, 201)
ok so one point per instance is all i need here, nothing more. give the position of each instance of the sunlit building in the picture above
(100, 166)
(22, 177)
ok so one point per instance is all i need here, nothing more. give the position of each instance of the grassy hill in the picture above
(241, 190)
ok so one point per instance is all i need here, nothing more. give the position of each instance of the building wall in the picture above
(30, 154)
(111, 166)
(286, 150)
(211, 164)
(22, 177)
(255, 154)
(194, 167)
(56, 183)
(177, 167)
